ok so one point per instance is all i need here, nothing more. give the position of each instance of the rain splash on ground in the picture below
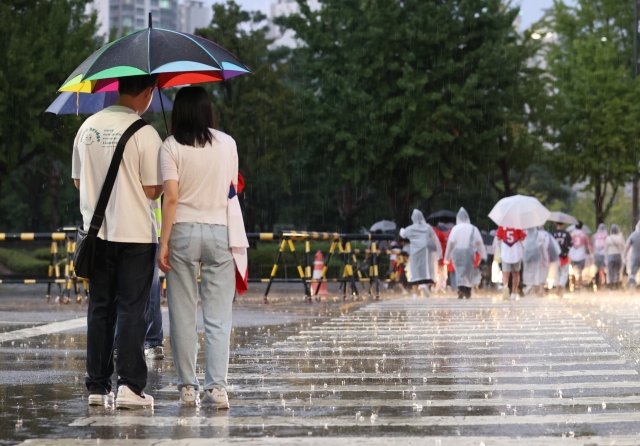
(434, 370)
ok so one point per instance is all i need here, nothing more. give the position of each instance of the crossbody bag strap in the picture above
(109, 181)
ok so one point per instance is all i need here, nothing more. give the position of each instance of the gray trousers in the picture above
(190, 245)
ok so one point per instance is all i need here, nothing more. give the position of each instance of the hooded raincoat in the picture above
(614, 248)
(423, 241)
(463, 244)
(598, 241)
(633, 243)
(553, 249)
(536, 258)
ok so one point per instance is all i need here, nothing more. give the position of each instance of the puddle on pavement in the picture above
(349, 376)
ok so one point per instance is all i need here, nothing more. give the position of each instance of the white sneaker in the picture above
(514, 296)
(96, 399)
(128, 399)
(155, 353)
(216, 397)
(414, 296)
(189, 396)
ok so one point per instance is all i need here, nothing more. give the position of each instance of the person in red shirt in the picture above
(511, 253)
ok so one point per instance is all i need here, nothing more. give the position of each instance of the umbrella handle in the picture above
(166, 127)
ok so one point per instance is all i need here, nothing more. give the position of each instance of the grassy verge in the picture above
(23, 263)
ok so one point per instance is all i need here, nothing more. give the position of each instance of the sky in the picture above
(531, 10)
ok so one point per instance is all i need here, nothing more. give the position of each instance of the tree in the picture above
(257, 109)
(42, 42)
(406, 97)
(595, 102)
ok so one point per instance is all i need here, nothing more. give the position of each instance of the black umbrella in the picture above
(487, 239)
(441, 217)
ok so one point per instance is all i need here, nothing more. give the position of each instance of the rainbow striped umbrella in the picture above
(177, 58)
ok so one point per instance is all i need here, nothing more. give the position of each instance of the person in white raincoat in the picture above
(553, 251)
(463, 244)
(422, 239)
(536, 260)
(633, 247)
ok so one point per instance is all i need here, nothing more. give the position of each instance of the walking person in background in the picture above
(553, 252)
(154, 340)
(579, 252)
(536, 260)
(199, 164)
(598, 241)
(422, 240)
(633, 247)
(442, 232)
(614, 248)
(564, 241)
(511, 252)
(123, 269)
(464, 242)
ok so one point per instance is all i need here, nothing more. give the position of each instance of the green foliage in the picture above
(22, 263)
(409, 96)
(42, 42)
(620, 213)
(595, 102)
(256, 109)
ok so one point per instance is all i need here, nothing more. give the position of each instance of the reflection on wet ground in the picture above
(481, 371)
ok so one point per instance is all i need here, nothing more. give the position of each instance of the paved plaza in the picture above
(431, 371)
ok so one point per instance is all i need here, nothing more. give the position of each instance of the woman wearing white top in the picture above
(198, 166)
(613, 248)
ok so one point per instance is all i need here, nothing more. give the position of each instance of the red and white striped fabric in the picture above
(238, 242)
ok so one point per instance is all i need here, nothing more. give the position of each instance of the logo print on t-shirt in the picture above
(90, 136)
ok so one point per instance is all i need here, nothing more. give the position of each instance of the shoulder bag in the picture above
(84, 254)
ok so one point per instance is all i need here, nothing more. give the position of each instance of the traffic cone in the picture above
(318, 266)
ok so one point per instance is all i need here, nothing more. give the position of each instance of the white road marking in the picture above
(292, 421)
(618, 440)
(488, 387)
(596, 401)
(418, 356)
(455, 375)
(40, 330)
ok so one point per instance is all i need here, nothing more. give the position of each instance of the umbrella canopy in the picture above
(441, 217)
(561, 217)
(177, 58)
(487, 239)
(68, 103)
(585, 229)
(519, 212)
(384, 226)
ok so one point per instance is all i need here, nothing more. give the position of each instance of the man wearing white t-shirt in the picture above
(511, 252)
(120, 281)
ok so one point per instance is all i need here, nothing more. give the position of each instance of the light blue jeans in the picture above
(190, 245)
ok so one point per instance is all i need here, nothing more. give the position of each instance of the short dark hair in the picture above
(579, 225)
(192, 117)
(134, 85)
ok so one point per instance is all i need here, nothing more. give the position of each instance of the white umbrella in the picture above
(585, 229)
(561, 217)
(519, 212)
(384, 226)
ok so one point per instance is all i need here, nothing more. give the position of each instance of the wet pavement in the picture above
(398, 371)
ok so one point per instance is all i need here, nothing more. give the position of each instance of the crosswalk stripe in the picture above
(388, 421)
(501, 403)
(437, 375)
(318, 440)
(399, 388)
(40, 330)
